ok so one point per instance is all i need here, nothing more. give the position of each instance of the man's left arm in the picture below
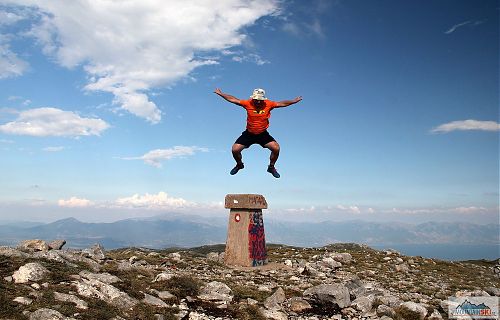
(286, 103)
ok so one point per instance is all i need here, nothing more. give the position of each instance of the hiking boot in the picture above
(236, 169)
(272, 170)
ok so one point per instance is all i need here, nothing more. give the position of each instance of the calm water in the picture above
(446, 251)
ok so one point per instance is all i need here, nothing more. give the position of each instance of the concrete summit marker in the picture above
(246, 242)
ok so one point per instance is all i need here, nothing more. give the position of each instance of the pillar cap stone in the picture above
(245, 201)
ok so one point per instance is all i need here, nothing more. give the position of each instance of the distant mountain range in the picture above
(177, 230)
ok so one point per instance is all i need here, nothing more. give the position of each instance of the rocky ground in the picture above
(41, 280)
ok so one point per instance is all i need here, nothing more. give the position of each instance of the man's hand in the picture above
(227, 97)
(286, 103)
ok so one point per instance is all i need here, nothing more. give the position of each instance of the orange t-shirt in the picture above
(258, 119)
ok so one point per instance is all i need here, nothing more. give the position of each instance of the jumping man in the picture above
(258, 109)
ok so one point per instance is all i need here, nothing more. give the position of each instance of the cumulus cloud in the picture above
(467, 125)
(128, 48)
(53, 122)
(156, 157)
(75, 202)
(152, 201)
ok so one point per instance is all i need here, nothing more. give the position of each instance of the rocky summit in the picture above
(41, 280)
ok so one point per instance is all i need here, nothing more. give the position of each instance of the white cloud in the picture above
(53, 122)
(7, 18)
(53, 149)
(128, 48)
(350, 209)
(10, 64)
(75, 202)
(152, 201)
(467, 125)
(155, 157)
(455, 27)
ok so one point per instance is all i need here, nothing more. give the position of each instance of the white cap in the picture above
(259, 94)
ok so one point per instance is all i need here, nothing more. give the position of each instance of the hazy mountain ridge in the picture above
(185, 231)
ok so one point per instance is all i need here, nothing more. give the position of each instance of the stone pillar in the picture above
(246, 242)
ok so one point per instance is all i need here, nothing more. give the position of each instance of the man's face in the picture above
(258, 103)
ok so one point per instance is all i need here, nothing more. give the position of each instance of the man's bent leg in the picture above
(236, 150)
(275, 152)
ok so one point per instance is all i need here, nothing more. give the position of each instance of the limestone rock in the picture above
(96, 252)
(30, 272)
(273, 314)
(331, 263)
(12, 252)
(275, 300)
(343, 257)
(403, 267)
(356, 287)
(299, 305)
(415, 307)
(47, 314)
(383, 310)
(97, 289)
(164, 276)
(435, 315)
(329, 293)
(23, 300)
(493, 291)
(364, 303)
(198, 316)
(80, 304)
(216, 291)
(56, 244)
(103, 277)
(34, 245)
(153, 301)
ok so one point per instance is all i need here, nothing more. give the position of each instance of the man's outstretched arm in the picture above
(286, 103)
(228, 97)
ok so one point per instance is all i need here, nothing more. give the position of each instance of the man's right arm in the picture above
(227, 97)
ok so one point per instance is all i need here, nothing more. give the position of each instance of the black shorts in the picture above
(247, 138)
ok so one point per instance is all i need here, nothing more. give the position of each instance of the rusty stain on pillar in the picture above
(246, 242)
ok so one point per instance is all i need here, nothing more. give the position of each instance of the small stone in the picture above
(252, 302)
(299, 305)
(8, 279)
(36, 286)
(23, 300)
(164, 276)
(288, 262)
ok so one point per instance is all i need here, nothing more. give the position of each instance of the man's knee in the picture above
(273, 146)
(237, 148)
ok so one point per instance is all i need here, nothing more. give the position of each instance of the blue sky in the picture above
(107, 108)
